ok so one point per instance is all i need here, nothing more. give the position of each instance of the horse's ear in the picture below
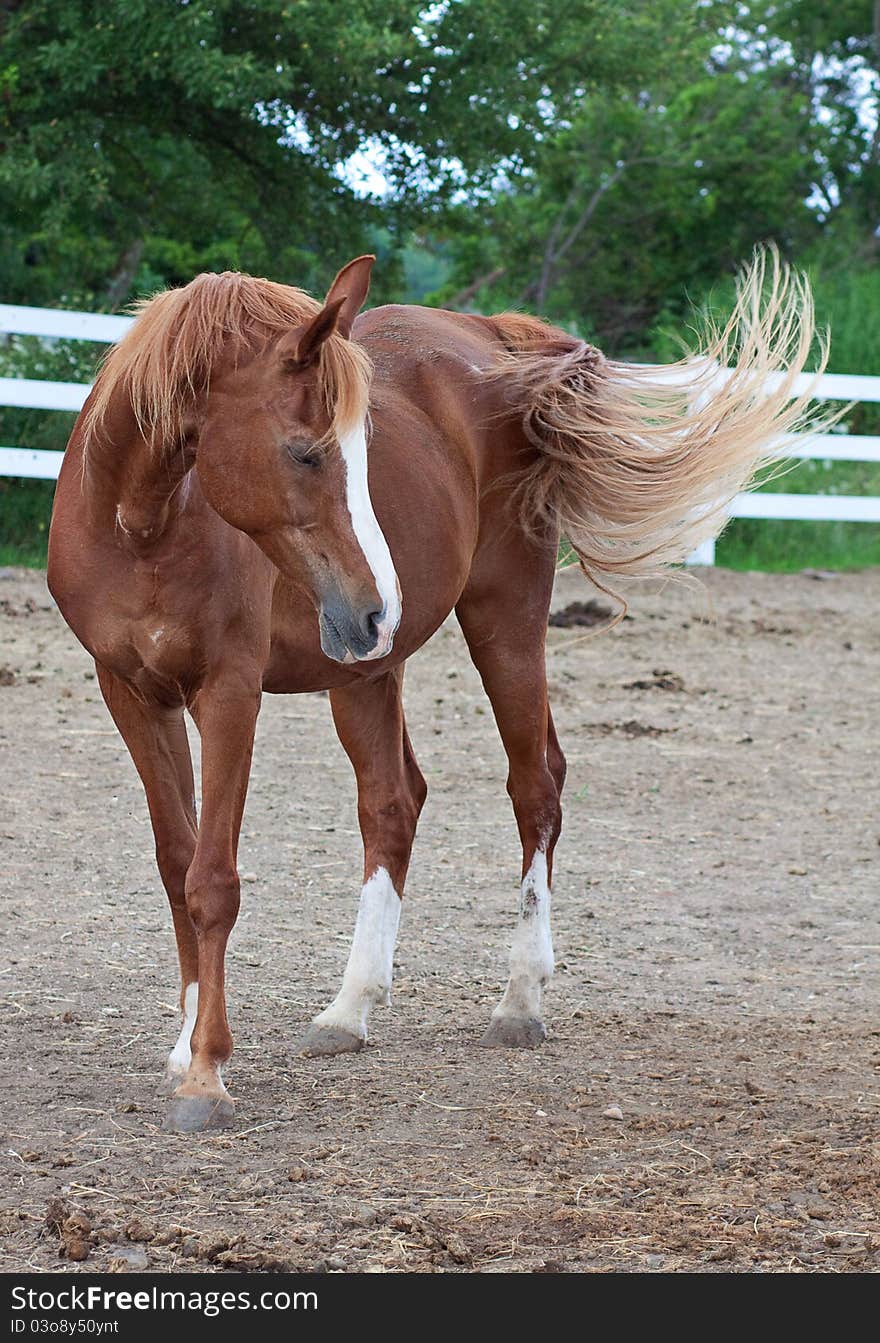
(344, 300)
(352, 285)
(301, 347)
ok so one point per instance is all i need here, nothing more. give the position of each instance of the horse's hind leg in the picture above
(505, 622)
(157, 742)
(391, 791)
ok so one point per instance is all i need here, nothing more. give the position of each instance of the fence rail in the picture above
(98, 326)
(49, 323)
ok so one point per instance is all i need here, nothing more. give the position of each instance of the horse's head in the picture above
(283, 456)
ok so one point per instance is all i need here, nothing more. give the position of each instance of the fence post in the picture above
(704, 553)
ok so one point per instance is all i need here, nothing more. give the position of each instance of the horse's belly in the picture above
(296, 662)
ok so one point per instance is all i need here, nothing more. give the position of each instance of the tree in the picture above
(655, 184)
(161, 137)
(144, 140)
(833, 53)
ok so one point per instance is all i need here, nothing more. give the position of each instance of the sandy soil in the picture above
(717, 949)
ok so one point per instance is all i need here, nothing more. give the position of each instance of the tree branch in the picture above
(465, 295)
(553, 254)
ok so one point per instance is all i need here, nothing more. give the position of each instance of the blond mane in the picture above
(167, 358)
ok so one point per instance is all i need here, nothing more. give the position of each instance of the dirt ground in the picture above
(707, 1099)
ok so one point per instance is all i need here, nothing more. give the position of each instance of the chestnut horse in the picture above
(219, 532)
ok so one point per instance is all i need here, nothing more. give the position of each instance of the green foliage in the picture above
(656, 183)
(25, 510)
(26, 505)
(788, 547)
(607, 165)
(750, 543)
(149, 139)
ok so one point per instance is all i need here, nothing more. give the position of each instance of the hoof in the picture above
(170, 1082)
(194, 1114)
(323, 1041)
(514, 1033)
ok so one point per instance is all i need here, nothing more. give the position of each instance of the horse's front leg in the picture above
(391, 792)
(156, 738)
(226, 715)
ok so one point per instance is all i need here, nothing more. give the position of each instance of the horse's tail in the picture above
(636, 466)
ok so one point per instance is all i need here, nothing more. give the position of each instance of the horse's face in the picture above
(271, 465)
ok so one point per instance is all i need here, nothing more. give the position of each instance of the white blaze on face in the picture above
(531, 954)
(369, 535)
(367, 978)
(181, 1055)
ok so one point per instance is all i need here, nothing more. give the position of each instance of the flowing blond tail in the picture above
(636, 466)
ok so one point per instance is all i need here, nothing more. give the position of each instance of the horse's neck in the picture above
(129, 480)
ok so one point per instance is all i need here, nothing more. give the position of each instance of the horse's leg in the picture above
(157, 742)
(505, 626)
(555, 758)
(391, 791)
(226, 715)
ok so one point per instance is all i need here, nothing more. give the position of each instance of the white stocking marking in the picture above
(367, 977)
(531, 955)
(181, 1055)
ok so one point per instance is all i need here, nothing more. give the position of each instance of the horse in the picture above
(268, 494)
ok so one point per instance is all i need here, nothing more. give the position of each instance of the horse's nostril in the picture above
(374, 620)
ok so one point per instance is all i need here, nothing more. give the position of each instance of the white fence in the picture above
(31, 393)
(35, 394)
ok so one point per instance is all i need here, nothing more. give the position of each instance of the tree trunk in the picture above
(126, 268)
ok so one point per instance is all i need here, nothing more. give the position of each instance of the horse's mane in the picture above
(165, 361)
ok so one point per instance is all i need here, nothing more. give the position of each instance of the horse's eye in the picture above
(304, 454)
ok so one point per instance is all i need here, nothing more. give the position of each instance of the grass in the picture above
(25, 510)
(22, 557)
(788, 547)
(785, 547)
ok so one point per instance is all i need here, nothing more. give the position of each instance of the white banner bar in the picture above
(836, 386)
(834, 447)
(808, 507)
(34, 394)
(99, 326)
(830, 387)
(31, 463)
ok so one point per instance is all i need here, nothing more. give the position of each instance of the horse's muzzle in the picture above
(349, 635)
